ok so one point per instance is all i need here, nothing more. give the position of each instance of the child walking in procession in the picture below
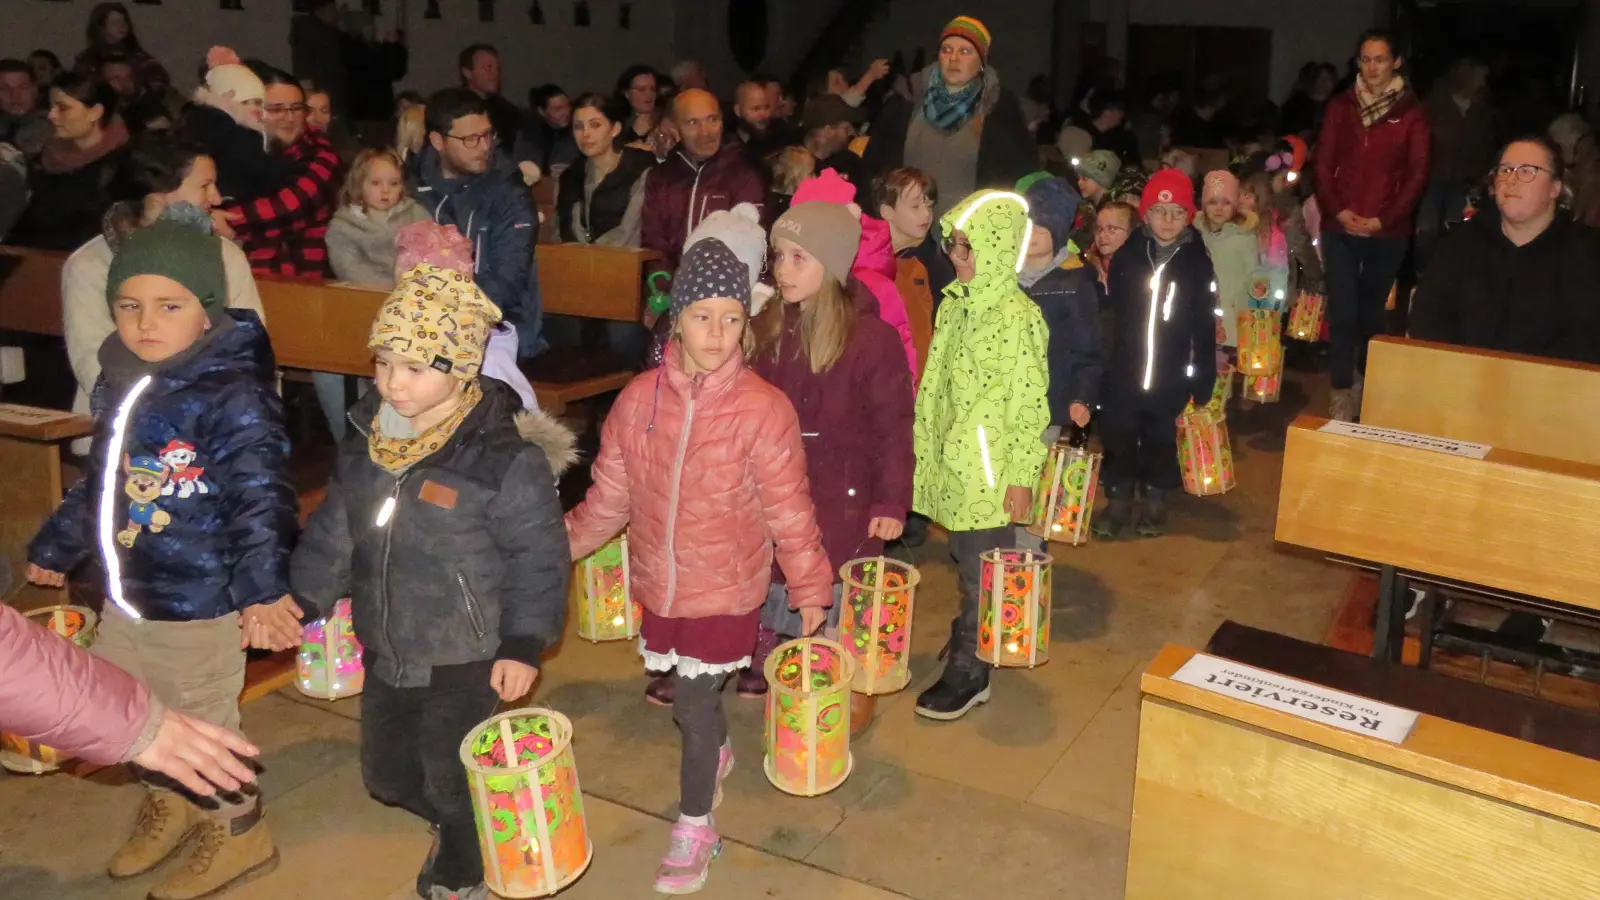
(1163, 355)
(846, 372)
(187, 505)
(1230, 239)
(443, 527)
(703, 462)
(981, 413)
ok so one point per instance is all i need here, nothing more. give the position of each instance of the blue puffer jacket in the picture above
(495, 211)
(1070, 305)
(202, 516)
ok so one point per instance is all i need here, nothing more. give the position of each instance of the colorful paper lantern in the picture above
(875, 623)
(526, 799)
(1064, 501)
(1014, 608)
(77, 624)
(328, 665)
(1204, 454)
(606, 610)
(1305, 320)
(808, 716)
(1260, 342)
(1264, 388)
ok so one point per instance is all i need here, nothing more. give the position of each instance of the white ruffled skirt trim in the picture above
(686, 666)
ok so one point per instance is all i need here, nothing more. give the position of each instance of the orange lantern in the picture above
(875, 622)
(76, 624)
(1064, 500)
(1305, 320)
(1260, 342)
(1204, 454)
(808, 717)
(606, 609)
(1014, 608)
(1264, 388)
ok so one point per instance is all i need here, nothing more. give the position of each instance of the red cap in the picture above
(1168, 186)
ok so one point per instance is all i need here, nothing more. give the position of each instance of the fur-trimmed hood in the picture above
(542, 430)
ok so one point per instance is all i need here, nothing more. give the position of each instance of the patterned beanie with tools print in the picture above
(971, 29)
(710, 269)
(188, 255)
(439, 318)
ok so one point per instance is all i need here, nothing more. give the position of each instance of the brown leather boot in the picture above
(165, 820)
(230, 852)
(862, 706)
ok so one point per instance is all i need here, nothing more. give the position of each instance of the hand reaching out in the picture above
(199, 755)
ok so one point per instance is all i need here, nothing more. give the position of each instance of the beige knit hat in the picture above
(227, 75)
(826, 230)
(439, 318)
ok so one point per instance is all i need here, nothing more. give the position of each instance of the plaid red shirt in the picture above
(284, 232)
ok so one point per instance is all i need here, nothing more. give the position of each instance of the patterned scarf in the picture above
(397, 454)
(943, 109)
(1375, 106)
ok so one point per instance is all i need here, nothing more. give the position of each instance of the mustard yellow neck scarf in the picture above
(397, 454)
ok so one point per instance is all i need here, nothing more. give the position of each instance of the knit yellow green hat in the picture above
(972, 30)
(439, 318)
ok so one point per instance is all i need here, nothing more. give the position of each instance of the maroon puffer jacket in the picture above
(1378, 172)
(679, 193)
(709, 476)
(856, 420)
(55, 694)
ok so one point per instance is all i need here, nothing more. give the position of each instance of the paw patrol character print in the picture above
(146, 477)
(183, 476)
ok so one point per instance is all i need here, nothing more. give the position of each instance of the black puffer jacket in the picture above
(1179, 352)
(1071, 308)
(471, 565)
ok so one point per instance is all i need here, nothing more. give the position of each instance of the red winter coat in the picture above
(679, 193)
(1378, 172)
(708, 474)
(856, 420)
(53, 693)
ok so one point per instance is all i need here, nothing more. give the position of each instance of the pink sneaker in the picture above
(688, 861)
(724, 766)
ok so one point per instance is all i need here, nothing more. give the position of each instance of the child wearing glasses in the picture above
(981, 411)
(1163, 354)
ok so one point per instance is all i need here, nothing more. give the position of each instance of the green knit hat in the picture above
(187, 255)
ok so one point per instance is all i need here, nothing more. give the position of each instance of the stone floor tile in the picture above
(1094, 778)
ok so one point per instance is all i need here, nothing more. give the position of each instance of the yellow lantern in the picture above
(1014, 608)
(606, 609)
(808, 717)
(527, 803)
(875, 622)
(1204, 454)
(1260, 342)
(1064, 500)
(76, 624)
(1305, 320)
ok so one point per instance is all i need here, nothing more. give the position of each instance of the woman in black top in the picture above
(599, 201)
(72, 180)
(638, 89)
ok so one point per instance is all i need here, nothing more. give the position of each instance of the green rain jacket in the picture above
(982, 408)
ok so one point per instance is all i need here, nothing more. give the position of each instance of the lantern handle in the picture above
(1077, 436)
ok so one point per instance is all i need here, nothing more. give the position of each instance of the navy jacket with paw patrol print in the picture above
(201, 516)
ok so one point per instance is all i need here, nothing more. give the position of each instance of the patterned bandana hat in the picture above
(439, 318)
(709, 269)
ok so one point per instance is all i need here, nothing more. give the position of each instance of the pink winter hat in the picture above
(829, 187)
(1220, 183)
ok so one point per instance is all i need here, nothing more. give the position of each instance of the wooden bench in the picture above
(30, 457)
(1491, 795)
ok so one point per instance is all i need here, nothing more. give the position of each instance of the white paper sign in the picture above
(1408, 439)
(1358, 715)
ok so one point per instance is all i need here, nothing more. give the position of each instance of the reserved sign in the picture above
(1408, 439)
(1358, 715)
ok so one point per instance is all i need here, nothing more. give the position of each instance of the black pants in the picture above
(965, 548)
(1140, 434)
(411, 758)
(697, 708)
(1360, 272)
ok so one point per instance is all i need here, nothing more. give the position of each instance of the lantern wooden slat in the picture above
(328, 665)
(527, 803)
(808, 717)
(875, 622)
(1014, 608)
(76, 624)
(600, 589)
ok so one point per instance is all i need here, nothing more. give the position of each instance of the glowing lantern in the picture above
(1064, 500)
(1014, 608)
(1260, 342)
(1305, 320)
(1204, 454)
(606, 610)
(875, 623)
(808, 717)
(328, 665)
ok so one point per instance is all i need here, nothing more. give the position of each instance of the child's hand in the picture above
(45, 577)
(811, 620)
(885, 528)
(1019, 504)
(271, 626)
(1079, 414)
(511, 679)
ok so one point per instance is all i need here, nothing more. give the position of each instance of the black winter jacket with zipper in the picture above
(471, 564)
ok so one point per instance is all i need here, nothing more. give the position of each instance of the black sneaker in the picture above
(952, 696)
(1152, 513)
(1117, 515)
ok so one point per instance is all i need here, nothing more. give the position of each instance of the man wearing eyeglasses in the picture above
(467, 182)
(284, 232)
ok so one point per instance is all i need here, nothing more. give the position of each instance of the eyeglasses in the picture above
(278, 109)
(473, 141)
(1524, 173)
(957, 249)
(1171, 212)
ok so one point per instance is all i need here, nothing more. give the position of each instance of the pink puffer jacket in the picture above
(55, 694)
(875, 267)
(709, 477)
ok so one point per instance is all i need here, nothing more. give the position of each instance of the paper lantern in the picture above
(1064, 500)
(328, 665)
(875, 623)
(808, 717)
(1264, 388)
(1305, 320)
(76, 624)
(606, 610)
(1014, 608)
(526, 799)
(1260, 342)
(1204, 454)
